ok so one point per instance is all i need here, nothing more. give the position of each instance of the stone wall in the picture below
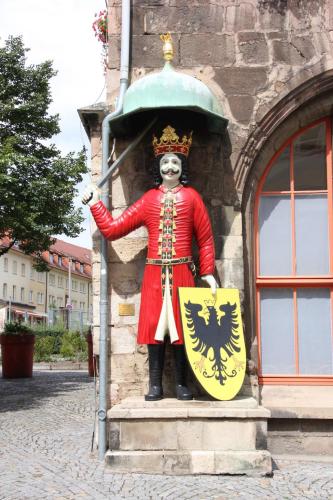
(254, 55)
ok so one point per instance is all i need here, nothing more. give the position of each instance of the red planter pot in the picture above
(17, 353)
(91, 368)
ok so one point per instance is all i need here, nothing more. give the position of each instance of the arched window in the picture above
(294, 261)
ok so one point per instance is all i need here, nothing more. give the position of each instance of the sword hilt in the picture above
(89, 199)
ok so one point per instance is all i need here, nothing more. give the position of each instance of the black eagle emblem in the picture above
(215, 339)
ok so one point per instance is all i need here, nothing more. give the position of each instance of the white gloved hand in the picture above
(211, 281)
(90, 195)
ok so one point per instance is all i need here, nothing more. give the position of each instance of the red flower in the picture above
(100, 28)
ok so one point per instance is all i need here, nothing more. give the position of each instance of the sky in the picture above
(61, 31)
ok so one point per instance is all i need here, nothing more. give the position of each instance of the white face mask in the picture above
(170, 169)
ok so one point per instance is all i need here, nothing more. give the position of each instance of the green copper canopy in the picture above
(168, 94)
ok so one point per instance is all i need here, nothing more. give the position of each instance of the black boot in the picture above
(156, 363)
(182, 391)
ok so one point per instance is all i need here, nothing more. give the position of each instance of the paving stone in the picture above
(46, 426)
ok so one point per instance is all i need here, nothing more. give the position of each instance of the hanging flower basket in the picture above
(100, 27)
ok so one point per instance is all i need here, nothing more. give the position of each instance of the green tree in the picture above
(37, 183)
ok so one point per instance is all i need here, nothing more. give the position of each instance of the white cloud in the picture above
(62, 32)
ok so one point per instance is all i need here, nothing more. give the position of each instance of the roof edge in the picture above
(92, 115)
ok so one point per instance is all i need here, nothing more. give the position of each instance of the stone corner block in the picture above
(232, 221)
(203, 462)
(251, 463)
(240, 17)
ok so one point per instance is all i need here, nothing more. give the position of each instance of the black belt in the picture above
(169, 262)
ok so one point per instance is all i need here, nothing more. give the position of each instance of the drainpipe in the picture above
(103, 354)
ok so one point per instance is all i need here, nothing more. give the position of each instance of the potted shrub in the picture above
(17, 350)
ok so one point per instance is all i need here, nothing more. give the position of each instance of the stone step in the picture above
(184, 432)
(251, 463)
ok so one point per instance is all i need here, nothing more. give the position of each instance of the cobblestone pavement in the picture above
(46, 426)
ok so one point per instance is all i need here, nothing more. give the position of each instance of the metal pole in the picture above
(10, 309)
(104, 312)
(81, 322)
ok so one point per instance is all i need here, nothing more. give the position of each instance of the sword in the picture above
(129, 148)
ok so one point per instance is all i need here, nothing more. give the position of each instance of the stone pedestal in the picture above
(189, 437)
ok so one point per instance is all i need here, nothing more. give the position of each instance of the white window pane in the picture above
(311, 227)
(278, 178)
(314, 331)
(277, 331)
(310, 159)
(275, 236)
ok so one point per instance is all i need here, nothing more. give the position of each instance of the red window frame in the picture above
(294, 282)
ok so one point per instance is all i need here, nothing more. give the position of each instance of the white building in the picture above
(28, 294)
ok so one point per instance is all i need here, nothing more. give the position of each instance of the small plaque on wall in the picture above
(126, 309)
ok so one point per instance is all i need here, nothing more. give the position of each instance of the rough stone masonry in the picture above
(257, 56)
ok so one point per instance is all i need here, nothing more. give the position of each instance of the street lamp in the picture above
(10, 309)
(69, 306)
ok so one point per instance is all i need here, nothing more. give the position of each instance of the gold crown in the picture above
(210, 302)
(169, 143)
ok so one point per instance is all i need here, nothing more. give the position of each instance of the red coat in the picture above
(171, 220)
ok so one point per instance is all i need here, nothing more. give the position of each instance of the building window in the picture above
(73, 265)
(82, 305)
(31, 297)
(81, 268)
(4, 290)
(59, 260)
(22, 294)
(40, 277)
(51, 258)
(32, 273)
(294, 260)
(82, 287)
(52, 279)
(14, 267)
(22, 269)
(5, 264)
(52, 302)
(40, 298)
(59, 301)
(74, 285)
(14, 292)
(60, 282)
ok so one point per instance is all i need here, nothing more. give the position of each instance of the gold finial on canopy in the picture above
(167, 46)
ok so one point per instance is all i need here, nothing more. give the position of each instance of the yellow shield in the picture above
(214, 340)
